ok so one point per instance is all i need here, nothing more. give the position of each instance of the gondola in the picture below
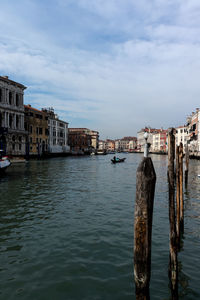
(118, 160)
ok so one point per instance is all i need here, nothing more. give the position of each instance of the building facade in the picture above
(80, 140)
(109, 145)
(58, 133)
(182, 135)
(36, 124)
(126, 144)
(101, 145)
(141, 140)
(159, 141)
(12, 132)
(94, 139)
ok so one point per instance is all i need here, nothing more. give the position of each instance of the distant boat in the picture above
(101, 152)
(4, 162)
(118, 160)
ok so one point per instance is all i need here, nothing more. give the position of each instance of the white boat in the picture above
(4, 162)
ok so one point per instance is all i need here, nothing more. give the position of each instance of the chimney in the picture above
(6, 77)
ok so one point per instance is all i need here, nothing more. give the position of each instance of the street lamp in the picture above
(146, 145)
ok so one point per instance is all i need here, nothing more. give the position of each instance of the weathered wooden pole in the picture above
(177, 196)
(181, 187)
(145, 188)
(173, 266)
(186, 164)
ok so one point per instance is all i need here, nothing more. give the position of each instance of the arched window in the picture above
(10, 98)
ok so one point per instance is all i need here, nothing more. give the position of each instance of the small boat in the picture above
(117, 160)
(4, 162)
(101, 152)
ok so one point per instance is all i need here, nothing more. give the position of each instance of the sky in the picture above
(114, 66)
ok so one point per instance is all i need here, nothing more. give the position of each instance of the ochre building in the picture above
(36, 124)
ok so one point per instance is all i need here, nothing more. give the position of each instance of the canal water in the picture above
(66, 230)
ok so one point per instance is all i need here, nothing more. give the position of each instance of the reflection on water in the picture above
(66, 230)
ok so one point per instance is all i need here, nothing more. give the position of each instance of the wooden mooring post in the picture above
(145, 188)
(181, 187)
(173, 264)
(177, 196)
(186, 165)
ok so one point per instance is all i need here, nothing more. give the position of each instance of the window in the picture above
(31, 140)
(17, 100)
(17, 121)
(40, 130)
(20, 147)
(10, 121)
(1, 95)
(10, 98)
(31, 129)
(13, 146)
(20, 138)
(46, 131)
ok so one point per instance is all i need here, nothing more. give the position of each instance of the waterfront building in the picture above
(159, 141)
(101, 145)
(94, 139)
(126, 144)
(58, 133)
(36, 124)
(182, 135)
(109, 145)
(83, 140)
(12, 132)
(141, 140)
(193, 123)
(132, 143)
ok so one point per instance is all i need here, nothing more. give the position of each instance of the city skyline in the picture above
(114, 67)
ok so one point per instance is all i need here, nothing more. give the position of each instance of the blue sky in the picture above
(110, 65)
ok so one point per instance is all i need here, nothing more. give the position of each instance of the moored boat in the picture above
(4, 162)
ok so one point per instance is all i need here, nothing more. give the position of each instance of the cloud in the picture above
(114, 65)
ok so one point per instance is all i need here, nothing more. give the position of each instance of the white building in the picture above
(58, 133)
(101, 145)
(141, 140)
(126, 144)
(12, 132)
(193, 122)
(182, 135)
